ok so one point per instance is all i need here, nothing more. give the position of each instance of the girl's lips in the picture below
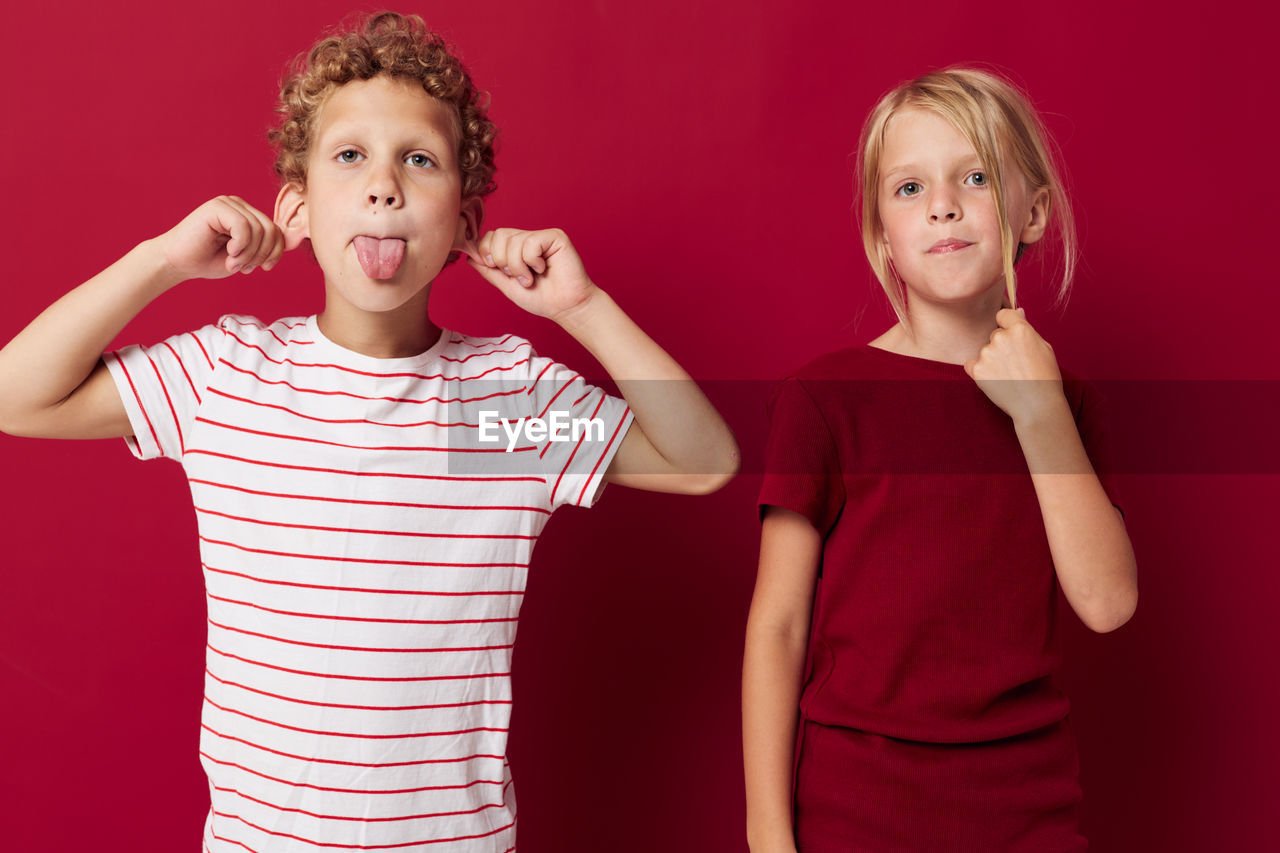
(943, 247)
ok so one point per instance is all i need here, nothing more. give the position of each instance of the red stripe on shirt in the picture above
(295, 700)
(315, 760)
(331, 647)
(336, 559)
(300, 389)
(142, 408)
(359, 735)
(328, 617)
(164, 388)
(479, 354)
(604, 453)
(256, 579)
(412, 678)
(360, 846)
(399, 375)
(413, 533)
(253, 772)
(360, 818)
(576, 448)
(379, 448)
(247, 461)
(296, 413)
(203, 351)
(360, 502)
(178, 359)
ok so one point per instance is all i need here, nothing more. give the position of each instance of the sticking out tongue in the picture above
(379, 257)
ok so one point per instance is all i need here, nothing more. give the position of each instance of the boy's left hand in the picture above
(1017, 369)
(538, 270)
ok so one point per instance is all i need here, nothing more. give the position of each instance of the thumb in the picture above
(969, 366)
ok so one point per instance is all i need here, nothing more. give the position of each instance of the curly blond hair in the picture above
(1009, 138)
(383, 44)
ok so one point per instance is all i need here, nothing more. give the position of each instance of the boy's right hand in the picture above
(224, 235)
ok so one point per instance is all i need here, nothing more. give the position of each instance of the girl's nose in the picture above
(943, 207)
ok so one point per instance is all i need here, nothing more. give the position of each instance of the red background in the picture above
(698, 153)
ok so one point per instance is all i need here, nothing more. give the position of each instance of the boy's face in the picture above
(383, 203)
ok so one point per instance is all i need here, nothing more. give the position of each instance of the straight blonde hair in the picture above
(1004, 129)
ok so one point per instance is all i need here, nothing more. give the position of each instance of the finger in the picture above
(534, 251)
(496, 277)
(496, 253)
(970, 366)
(521, 244)
(229, 221)
(245, 250)
(277, 248)
(1007, 317)
(271, 237)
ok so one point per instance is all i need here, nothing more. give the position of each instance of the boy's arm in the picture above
(53, 383)
(678, 443)
(772, 669)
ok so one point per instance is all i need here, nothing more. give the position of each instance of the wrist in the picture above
(154, 272)
(1049, 412)
(582, 317)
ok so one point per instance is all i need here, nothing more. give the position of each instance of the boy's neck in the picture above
(401, 333)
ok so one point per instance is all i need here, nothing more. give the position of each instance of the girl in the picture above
(920, 510)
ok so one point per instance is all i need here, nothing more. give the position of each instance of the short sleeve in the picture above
(161, 387)
(802, 469)
(584, 429)
(1094, 425)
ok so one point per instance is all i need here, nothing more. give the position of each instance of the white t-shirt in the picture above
(365, 533)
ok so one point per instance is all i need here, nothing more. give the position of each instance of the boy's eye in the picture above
(910, 188)
(977, 179)
(419, 160)
(349, 156)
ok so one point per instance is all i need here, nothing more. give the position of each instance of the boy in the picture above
(364, 538)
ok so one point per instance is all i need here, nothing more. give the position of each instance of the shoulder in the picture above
(498, 356)
(825, 378)
(250, 330)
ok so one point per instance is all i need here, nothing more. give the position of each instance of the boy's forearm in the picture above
(1091, 551)
(63, 345)
(673, 413)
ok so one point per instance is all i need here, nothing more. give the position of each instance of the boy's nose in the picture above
(382, 199)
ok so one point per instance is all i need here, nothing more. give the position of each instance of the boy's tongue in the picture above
(379, 257)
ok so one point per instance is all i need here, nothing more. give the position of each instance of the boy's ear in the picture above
(1038, 221)
(470, 217)
(291, 215)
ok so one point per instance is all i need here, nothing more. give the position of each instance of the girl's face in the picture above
(938, 211)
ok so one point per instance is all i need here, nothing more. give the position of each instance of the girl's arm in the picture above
(772, 669)
(678, 442)
(1091, 551)
(53, 383)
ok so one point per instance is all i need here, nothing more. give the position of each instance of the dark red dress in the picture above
(930, 720)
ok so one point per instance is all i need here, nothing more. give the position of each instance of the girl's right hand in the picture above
(224, 235)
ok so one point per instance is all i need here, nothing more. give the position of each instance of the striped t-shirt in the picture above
(366, 527)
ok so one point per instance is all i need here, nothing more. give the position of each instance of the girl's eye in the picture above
(909, 189)
(349, 156)
(419, 160)
(977, 179)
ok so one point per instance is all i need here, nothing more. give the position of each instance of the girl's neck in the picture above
(946, 332)
(400, 333)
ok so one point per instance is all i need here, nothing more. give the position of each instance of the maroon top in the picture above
(935, 613)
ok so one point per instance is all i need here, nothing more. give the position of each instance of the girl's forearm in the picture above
(1091, 551)
(54, 355)
(772, 667)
